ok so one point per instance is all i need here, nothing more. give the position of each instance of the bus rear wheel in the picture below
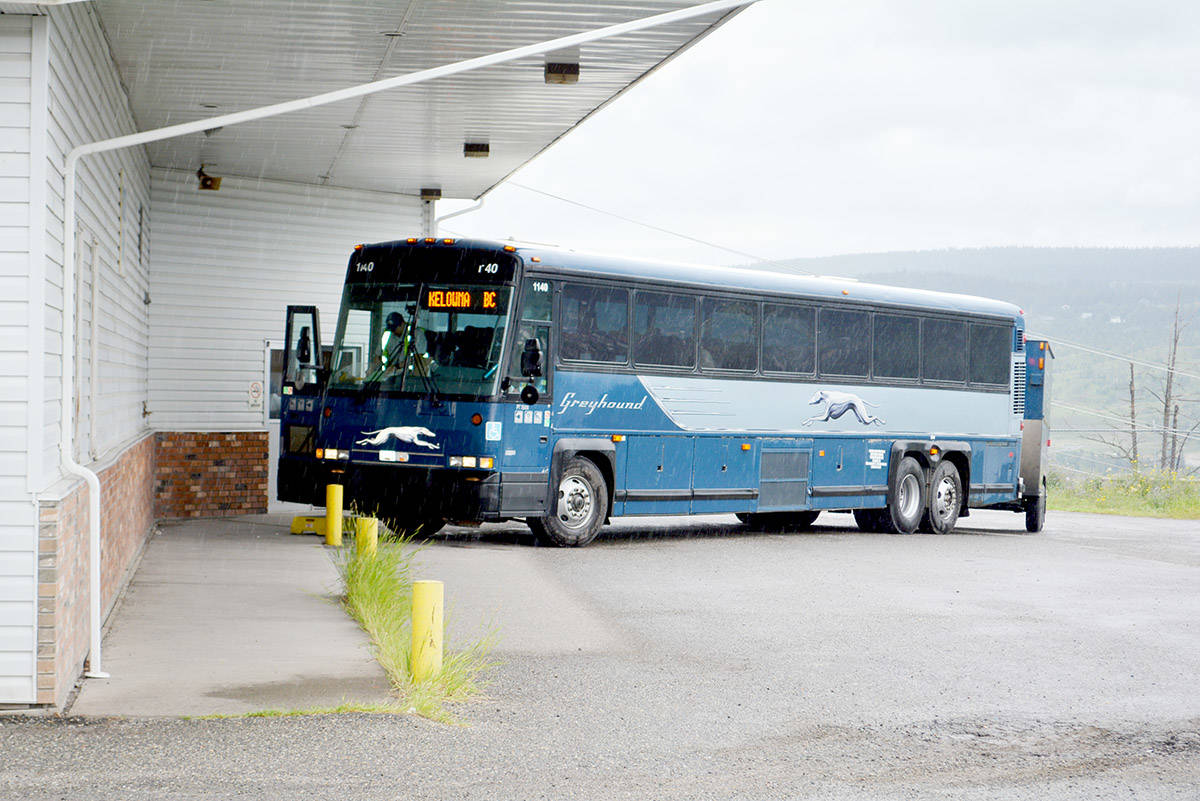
(945, 499)
(580, 506)
(1035, 511)
(906, 496)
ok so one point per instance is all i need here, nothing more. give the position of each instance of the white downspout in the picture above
(438, 222)
(158, 134)
(94, 355)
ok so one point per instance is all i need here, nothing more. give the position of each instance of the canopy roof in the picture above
(192, 59)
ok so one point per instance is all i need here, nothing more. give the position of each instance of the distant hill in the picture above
(1114, 299)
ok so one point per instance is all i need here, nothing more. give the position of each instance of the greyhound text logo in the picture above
(570, 401)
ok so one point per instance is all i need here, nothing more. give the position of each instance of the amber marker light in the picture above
(429, 240)
(820, 453)
(476, 418)
(618, 437)
(1041, 364)
(358, 247)
(536, 259)
(934, 451)
(447, 241)
(320, 453)
(845, 291)
(509, 249)
(745, 446)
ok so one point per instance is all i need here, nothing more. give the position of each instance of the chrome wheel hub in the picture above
(945, 498)
(575, 502)
(909, 496)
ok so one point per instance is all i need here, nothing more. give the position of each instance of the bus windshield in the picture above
(429, 338)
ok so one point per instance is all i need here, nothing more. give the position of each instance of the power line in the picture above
(1117, 418)
(636, 222)
(1097, 351)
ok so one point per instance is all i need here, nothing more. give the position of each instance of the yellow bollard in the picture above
(426, 630)
(333, 515)
(366, 535)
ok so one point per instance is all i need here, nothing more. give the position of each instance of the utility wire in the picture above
(1054, 342)
(636, 222)
(1116, 418)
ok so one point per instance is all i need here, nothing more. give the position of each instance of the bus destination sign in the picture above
(473, 299)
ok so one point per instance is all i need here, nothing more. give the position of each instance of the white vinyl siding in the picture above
(226, 265)
(87, 104)
(18, 519)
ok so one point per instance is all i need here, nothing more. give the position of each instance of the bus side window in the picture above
(664, 330)
(844, 343)
(789, 339)
(944, 350)
(595, 324)
(991, 354)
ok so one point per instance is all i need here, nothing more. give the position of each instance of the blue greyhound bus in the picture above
(481, 381)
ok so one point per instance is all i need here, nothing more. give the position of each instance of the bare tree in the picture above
(1133, 421)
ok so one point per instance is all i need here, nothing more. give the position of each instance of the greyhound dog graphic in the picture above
(409, 434)
(838, 404)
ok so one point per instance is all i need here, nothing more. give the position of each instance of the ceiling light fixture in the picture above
(476, 150)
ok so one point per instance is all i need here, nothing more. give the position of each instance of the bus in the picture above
(474, 381)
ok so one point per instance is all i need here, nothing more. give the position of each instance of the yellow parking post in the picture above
(333, 515)
(426, 630)
(366, 536)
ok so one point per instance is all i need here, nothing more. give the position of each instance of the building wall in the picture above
(58, 89)
(87, 103)
(18, 515)
(127, 509)
(225, 267)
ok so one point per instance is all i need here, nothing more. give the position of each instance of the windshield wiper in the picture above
(422, 364)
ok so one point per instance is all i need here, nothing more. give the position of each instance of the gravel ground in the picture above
(709, 662)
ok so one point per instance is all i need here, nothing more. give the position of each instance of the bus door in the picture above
(527, 383)
(300, 389)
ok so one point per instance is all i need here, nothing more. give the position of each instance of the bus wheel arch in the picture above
(577, 505)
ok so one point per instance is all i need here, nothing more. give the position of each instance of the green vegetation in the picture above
(378, 594)
(340, 709)
(1140, 494)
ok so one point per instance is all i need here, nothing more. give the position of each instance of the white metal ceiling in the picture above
(184, 60)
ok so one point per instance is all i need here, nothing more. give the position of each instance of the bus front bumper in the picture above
(408, 492)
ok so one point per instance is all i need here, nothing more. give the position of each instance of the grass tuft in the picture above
(1147, 493)
(378, 595)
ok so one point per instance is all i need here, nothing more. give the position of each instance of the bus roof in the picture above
(559, 260)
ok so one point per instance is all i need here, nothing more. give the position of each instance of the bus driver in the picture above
(396, 349)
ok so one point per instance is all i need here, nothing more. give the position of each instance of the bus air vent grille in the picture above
(1018, 394)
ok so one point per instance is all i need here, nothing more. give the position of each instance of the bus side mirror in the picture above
(304, 347)
(531, 359)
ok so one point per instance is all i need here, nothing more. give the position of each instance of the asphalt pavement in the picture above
(691, 658)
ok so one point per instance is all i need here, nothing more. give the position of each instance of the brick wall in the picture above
(127, 516)
(199, 474)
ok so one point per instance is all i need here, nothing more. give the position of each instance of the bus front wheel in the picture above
(907, 497)
(580, 505)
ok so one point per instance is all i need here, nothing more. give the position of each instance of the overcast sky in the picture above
(814, 128)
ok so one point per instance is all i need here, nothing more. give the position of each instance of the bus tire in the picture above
(1035, 511)
(580, 506)
(906, 497)
(871, 520)
(945, 499)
